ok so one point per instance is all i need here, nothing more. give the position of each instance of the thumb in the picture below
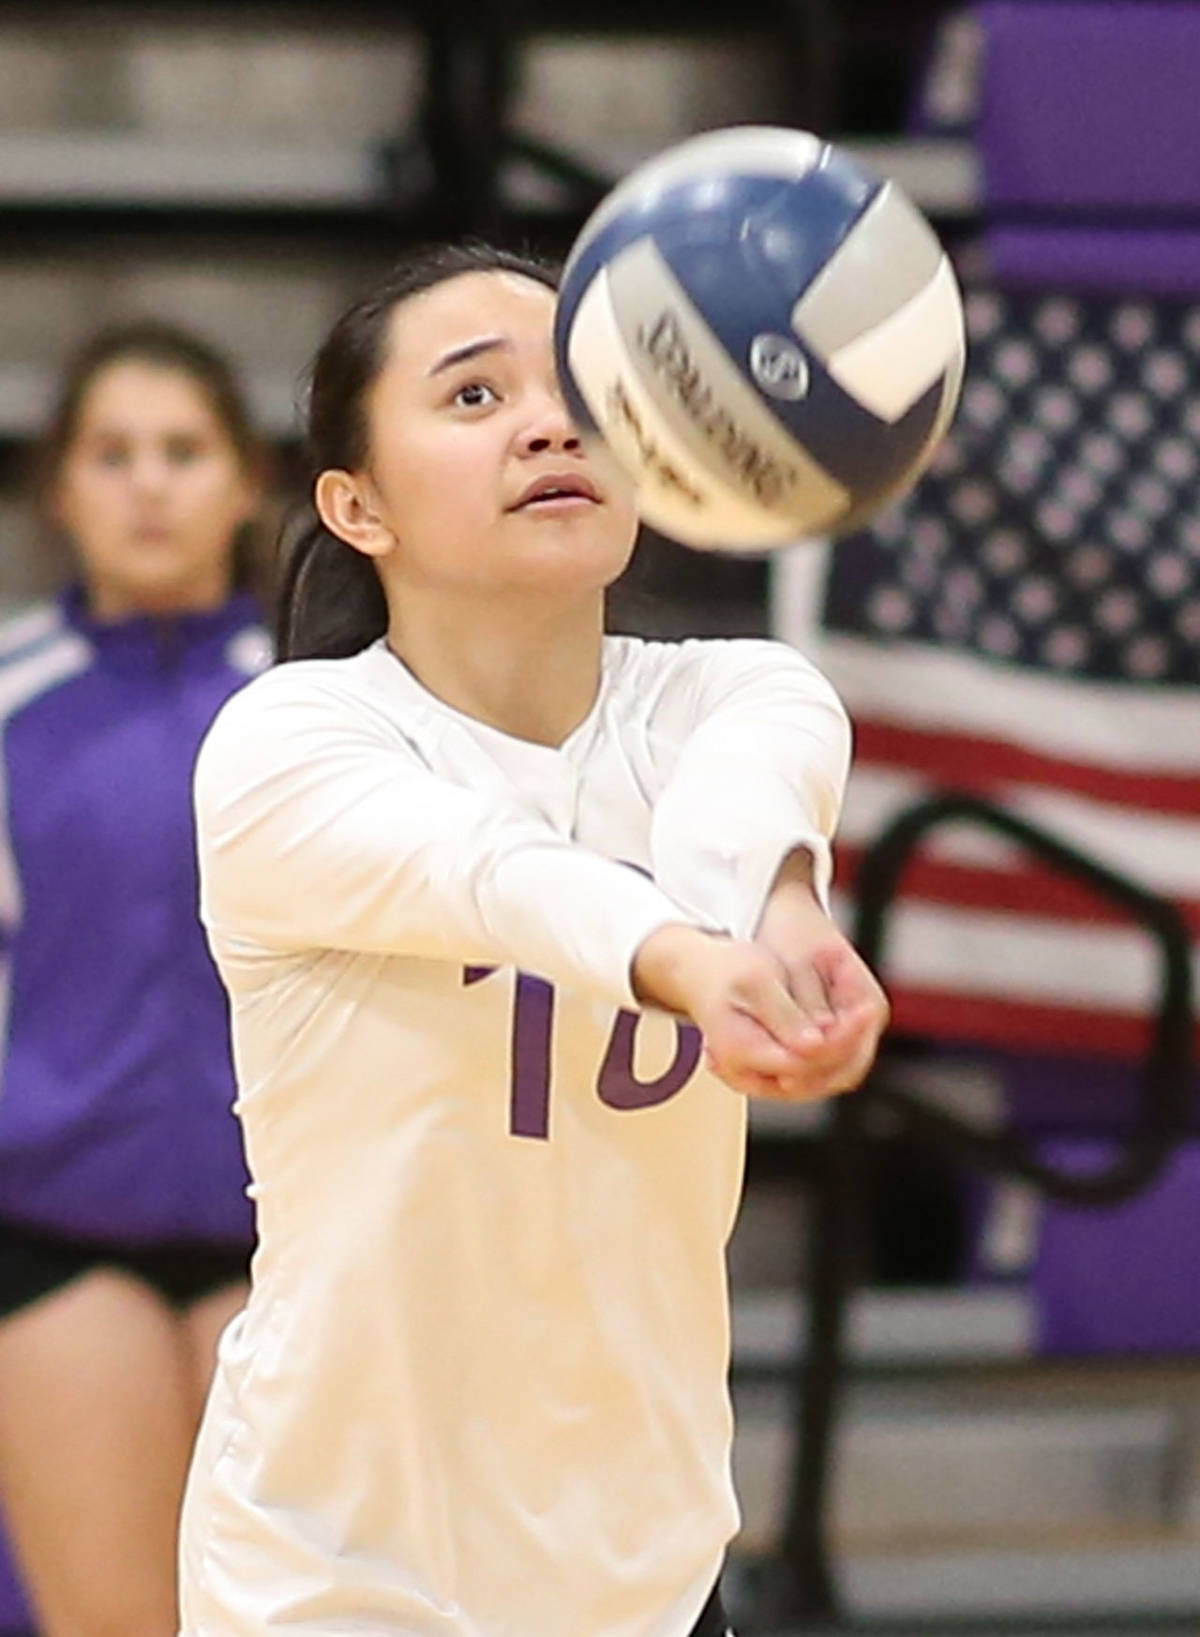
(771, 1004)
(809, 992)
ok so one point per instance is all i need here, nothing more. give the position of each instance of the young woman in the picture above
(124, 1230)
(476, 878)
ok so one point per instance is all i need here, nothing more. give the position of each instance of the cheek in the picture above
(436, 486)
(87, 506)
(217, 497)
(624, 509)
(619, 530)
(619, 493)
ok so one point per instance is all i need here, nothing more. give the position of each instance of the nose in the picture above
(148, 471)
(549, 429)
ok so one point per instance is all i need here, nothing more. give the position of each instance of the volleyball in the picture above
(766, 337)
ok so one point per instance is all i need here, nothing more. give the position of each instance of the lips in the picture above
(557, 486)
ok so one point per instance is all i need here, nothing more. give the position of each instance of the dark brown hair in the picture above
(330, 602)
(163, 346)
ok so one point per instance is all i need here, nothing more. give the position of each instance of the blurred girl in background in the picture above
(124, 1226)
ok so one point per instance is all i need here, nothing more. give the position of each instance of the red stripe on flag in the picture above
(1030, 890)
(983, 764)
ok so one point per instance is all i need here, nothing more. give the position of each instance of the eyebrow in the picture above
(471, 349)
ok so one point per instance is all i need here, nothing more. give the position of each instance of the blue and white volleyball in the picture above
(767, 338)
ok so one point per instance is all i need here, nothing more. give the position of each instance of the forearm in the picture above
(663, 968)
(794, 887)
(317, 836)
(758, 776)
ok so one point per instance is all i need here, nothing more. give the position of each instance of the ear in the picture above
(347, 508)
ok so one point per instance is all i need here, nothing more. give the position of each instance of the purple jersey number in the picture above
(617, 1085)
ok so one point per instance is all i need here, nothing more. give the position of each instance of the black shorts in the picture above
(33, 1264)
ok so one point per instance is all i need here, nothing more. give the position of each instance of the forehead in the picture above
(466, 308)
(137, 393)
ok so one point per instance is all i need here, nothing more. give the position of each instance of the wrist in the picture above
(796, 874)
(793, 893)
(662, 965)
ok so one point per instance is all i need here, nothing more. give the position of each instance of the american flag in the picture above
(1026, 625)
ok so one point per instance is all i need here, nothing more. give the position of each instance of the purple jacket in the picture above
(116, 1081)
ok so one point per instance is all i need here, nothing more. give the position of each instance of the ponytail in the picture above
(330, 602)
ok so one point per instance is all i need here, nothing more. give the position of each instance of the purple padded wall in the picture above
(1121, 1280)
(1150, 261)
(1089, 137)
(1091, 106)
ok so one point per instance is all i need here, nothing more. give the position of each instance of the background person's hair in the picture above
(330, 602)
(167, 347)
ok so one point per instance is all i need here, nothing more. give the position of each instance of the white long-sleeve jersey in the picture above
(480, 1388)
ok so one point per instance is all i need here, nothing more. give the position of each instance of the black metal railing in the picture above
(449, 167)
(799, 1585)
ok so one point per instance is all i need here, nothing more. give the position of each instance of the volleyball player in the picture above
(473, 873)
(124, 1230)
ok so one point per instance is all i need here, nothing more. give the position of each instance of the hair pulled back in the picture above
(330, 602)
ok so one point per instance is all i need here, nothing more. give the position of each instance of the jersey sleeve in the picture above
(320, 827)
(756, 750)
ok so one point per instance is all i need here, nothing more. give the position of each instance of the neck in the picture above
(529, 673)
(109, 601)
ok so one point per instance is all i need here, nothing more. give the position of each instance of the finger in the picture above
(847, 1065)
(862, 1019)
(858, 1025)
(762, 1086)
(853, 1065)
(842, 1061)
(785, 1088)
(761, 1055)
(752, 1069)
(816, 1087)
(808, 990)
(792, 1090)
(847, 978)
(848, 1037)
(769, 1002)
(739, 1045)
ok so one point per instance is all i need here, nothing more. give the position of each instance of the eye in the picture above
(112, 455)
(475, 395)
(182, 451)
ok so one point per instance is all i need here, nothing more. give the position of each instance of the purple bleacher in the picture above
(1124, 1279)
(1090, 106)
(1154, 261)
(1088, 133)
(1049, 1092)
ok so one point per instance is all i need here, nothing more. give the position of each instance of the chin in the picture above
(606, 551)
(571, 573)
(163, 594)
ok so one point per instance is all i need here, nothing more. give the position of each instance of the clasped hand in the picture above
(793, 1014)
